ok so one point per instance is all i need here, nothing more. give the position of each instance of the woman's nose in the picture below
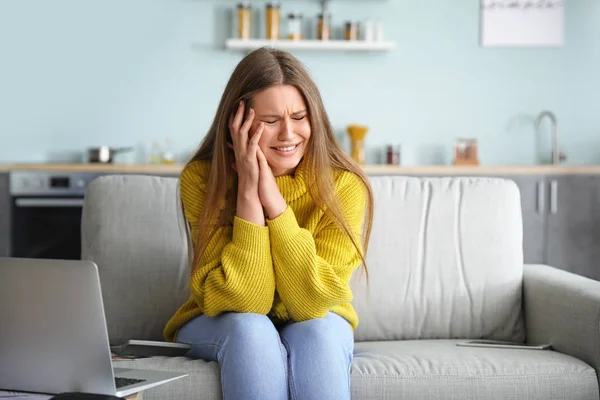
(286, 132)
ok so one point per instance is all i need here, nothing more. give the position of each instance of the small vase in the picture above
(357, 135)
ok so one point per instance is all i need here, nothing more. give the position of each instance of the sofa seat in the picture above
(438, 369)
(418, 369)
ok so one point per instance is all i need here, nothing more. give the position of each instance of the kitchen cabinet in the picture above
(4, 216)
(533, 199)
(573, 224)
(561, 221)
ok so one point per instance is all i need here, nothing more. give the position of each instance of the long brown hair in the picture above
(259, 70)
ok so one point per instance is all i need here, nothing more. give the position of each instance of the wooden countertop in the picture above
(175, 169)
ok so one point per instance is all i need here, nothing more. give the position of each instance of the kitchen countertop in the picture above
(175, 169)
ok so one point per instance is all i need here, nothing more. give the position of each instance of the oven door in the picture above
(46, 227)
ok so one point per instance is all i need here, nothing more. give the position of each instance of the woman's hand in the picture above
(249, 206)
(268, 192)
(245, 147)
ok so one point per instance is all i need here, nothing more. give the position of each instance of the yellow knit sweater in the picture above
(296, 268)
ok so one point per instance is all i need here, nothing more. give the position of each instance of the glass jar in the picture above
(295, 26)
(273, 20)
(393, 155)
(244, 19)
(351, 30)
(324, 26)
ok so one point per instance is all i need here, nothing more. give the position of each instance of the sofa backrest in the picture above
(445, 260)
(445, 257)
(132, 229)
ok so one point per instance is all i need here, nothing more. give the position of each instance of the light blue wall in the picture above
(79, 73)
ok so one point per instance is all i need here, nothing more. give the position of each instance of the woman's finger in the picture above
(262, 160)
(244, 130)
(257, 135)
(238, 117)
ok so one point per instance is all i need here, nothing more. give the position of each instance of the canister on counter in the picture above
(244, 19)
(324, 26)
(351, 30)
(273, 20)
(393, 155)
(295, 26)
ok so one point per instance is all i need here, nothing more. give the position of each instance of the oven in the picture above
(46, 211)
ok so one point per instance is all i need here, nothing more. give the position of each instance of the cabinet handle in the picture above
(540, 197)
(553, 197)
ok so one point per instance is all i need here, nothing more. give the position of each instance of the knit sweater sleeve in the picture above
(235, 273)
(313, 273)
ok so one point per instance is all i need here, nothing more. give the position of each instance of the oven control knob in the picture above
(81, 183)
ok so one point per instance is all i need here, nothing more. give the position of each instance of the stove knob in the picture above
(81, 183)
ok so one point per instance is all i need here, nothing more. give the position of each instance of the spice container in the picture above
(393, 155)
(244, 17)
(273, 20)
(324, 26)
(465, 152)
(295, 26)
(351, 30)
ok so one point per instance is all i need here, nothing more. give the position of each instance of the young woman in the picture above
(276, 210)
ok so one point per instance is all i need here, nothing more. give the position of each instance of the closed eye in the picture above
(300, 118)
(269, 122)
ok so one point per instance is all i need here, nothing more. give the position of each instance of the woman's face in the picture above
(287, 128)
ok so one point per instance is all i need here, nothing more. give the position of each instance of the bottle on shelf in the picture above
(324, 26)
(369, 32)
(351, 32)
(294, 26)
(273, 20)
(244, 19)
(379, 37)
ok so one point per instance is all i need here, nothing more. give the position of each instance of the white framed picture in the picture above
(522, 23)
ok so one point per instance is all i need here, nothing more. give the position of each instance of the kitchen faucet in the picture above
(557, 156)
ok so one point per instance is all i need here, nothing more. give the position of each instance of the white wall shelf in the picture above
(326, 45)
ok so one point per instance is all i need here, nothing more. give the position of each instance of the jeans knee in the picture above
(250, 330)
(314, 331)
(320, 335)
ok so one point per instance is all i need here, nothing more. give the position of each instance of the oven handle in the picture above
(49, 202)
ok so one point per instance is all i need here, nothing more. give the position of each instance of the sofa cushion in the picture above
(131, 228)
(423, 369)
(445, 260)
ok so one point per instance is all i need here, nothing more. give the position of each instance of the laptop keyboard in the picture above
(120, 381)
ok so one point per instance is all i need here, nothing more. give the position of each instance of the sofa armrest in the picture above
(563, 309)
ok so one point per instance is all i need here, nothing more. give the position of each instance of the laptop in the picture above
(53, 335)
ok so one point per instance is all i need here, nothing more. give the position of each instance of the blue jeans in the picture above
(298, 360)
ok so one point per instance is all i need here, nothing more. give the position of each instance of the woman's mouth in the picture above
(287, 150)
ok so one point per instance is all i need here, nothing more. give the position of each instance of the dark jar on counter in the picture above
(393, 155)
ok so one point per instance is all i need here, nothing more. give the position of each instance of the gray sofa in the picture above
(446, 264)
